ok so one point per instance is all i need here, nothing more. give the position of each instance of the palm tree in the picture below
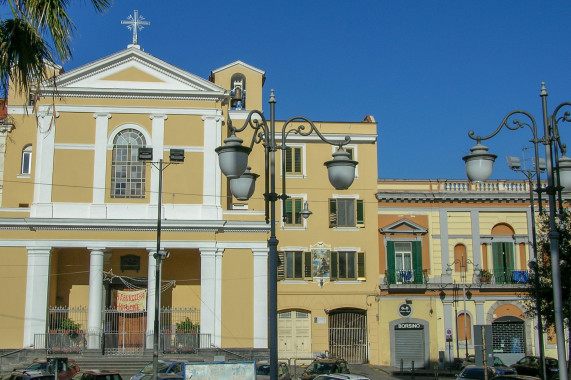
(25, 53)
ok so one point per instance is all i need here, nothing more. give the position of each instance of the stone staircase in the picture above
(127, 366)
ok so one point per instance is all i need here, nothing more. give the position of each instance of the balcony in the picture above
(407, 279)
(504, 278)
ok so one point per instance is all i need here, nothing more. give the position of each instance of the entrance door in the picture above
(348, 335)
(409, 345)
(125, 322)
(294, 334)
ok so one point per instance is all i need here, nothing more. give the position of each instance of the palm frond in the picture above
(23, 54)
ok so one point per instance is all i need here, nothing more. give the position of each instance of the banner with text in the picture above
(131, 300)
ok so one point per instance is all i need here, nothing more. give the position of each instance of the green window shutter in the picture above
(361, 265)
(307, 264)
(360, 213)
(417, 261)
(334, 269)
(297, 161)
(510, 258)
(497, 258)
(281, 260)
(297, 216)
(332, 212)
(391, 262)
(288, 158)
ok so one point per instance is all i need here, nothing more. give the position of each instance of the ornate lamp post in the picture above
(514, 164)
(463, 267)
(176, 156)
(233, 159)
(479, 165)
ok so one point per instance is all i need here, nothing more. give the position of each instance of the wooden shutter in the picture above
(360, 213)
(307, 265)
(332, 212)
(417, 262)
(281, 266)
(288, 160)
(361, 265)
(297, 160)
(334, 269)
(390, 270)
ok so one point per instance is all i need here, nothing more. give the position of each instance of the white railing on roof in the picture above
(492, 186)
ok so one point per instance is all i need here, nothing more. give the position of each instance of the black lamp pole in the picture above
(479, 165)
(514, 165)
(176, 156)
(233, 159)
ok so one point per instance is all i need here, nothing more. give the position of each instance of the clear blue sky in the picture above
(428, 71)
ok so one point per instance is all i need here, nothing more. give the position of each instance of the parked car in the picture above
(164, 376)
(97, 374)
(342, 376)
(475, 372)
(30, 375)
(165, 366)
(530, 365)
(499, 365)
(515, 377)
(325, 366)
(263, 371)
(63, 373)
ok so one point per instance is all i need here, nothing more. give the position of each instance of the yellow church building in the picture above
(81, 213)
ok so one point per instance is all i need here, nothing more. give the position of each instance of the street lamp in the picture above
(514, 164)
(479, 168)
(233, 160)
(463, 267)
(176, 156)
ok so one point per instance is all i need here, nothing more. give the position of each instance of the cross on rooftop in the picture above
(135, 22)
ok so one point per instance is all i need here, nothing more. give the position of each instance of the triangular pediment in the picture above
(240, 64)
(403, 226)
(133, 73)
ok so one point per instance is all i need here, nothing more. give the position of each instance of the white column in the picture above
(158, 151)
(211, 187)
(260, 298)
(37, 288)
(449, 325)
(44, 166)
(151, 283)
(95, 298)
(98, 209)
(211, 294)
(4, 130)
(480, 316)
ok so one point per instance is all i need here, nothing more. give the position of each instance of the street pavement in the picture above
(379, 373)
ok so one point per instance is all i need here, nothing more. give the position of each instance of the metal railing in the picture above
(505, 276)
(406, 276)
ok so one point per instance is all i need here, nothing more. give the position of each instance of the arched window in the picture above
(464, 327)
(26, 160)
(238, 92)
(459, 258)
(127, 172)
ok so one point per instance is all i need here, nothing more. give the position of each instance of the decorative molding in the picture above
(410, 228)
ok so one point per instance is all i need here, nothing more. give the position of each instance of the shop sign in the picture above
(405, 310)
(409, 326)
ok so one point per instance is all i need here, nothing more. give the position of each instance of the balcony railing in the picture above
(405, 276)
(503, 276)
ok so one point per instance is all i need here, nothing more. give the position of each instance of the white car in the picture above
(349, 376)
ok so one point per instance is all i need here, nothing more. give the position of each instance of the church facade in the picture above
(83, 217)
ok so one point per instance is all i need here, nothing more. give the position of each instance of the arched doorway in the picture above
(509, 338)
(348, 335)
(294, 334)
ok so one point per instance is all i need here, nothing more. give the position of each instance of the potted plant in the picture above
(485, 276)
(186, 335)
(187, 326)
(70, 327)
